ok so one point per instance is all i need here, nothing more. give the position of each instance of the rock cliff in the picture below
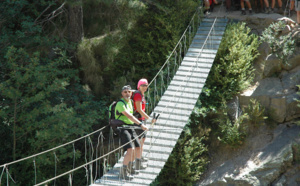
(270, 156)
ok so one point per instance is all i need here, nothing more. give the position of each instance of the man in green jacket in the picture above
(129, 138)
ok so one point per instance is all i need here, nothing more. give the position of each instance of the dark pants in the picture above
(128, 135)
(140, 131)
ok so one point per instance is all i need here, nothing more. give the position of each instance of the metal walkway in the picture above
(176, 105)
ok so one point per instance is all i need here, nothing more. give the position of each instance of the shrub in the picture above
(256, 113)
(187, 162)
(296, 153)
(232, 70)
(230, 132)
(281, 45)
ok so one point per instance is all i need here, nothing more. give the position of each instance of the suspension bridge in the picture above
(173, 93)
(176, 104)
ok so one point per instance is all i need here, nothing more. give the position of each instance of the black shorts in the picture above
(140, 131)
(126, 136)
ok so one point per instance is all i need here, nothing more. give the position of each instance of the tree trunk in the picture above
(75, 21)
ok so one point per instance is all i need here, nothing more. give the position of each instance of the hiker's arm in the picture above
(139, 109)
(138, 105)
(133, 119)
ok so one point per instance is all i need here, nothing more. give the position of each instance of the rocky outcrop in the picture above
(278, 95)
(266, 159)
(276, 82)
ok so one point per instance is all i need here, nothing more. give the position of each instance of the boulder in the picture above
(292, 108)
(278, 109)
(278, 96)
(263, 160)
(271, 65)
(270, 87)
(259, 68)
(293, 60)
(291, 80)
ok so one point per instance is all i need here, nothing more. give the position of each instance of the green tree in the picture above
(187, 162)
(232, 70)
(42, 103)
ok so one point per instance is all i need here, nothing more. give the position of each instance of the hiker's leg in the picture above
(273, 4)
(125, 138)
(249, 5)
(267, 4)
(279, 4)
(242, 5)
(292, 5)
(128, 156)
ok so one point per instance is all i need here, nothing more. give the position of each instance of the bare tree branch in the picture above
(43, 12)
(53, 14)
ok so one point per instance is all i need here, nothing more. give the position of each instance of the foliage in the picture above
(256, 113)
(187, 162)
(230, 132)
(282, 46)
(231, 73)
(296, 153)
(135, 35)
(39, 106)
(43, 103)
(232, 70)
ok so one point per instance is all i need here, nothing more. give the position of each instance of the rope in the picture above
(2, 173)
(70, 179)
(88, 163)
(96, 174)
(9, 176)
(34, 165)
(86, 169)
(91, 154)
(32, 156)
(74, 157)
(55, 165)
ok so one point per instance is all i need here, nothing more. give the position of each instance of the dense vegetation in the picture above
(50, 95)
(44, 97)
(132, 44)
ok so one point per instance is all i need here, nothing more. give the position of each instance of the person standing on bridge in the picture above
(140, 111)
(127, 133)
